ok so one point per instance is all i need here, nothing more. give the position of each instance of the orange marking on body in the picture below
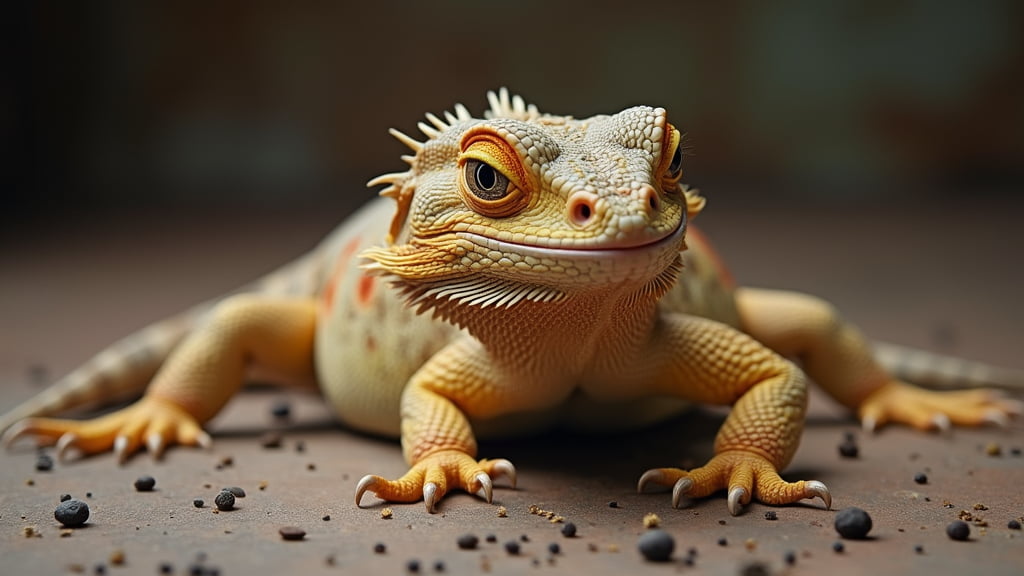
(365, 289)
(698, 240)
(339, 268)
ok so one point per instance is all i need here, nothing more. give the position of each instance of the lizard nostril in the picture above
(650, 195)
(582, 208)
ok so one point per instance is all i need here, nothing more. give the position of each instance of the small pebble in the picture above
(198, 503)
(292, 533)
(467, 541)
(271, 440)
(379, 548)
(849, 449)
(921, 478)
(413, 566)
(771, 515)
(755, 569)
(853, 523)
(569, 530)
(145, 483)
(44, 463)
(225, 501)
(438, 566)
(491, 538)
(723, 542)
(65, 497)
(789, 558)
(656, 545)
(958, 530)
(919, 549)
(524, 538)
(613, 504)
(166, 568)
(512, 547)
(326, 518)
(72, 513)
(554, 548)
(1013, 524)
(238, 492)
(117, 557)
(993, 449)
(281, 410)
(838, 547)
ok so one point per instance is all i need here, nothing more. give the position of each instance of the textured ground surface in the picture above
(68, 288)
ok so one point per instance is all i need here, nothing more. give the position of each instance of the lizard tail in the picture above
(942, 372)
(122, 371)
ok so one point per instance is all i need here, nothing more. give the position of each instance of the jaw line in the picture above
(673, 238)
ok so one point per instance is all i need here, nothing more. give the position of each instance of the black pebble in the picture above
(379, 548)
(921, 478)
(613, 504)
(72, 513)
(467, 541)
(438, 566)
(853, 523)
(145, 483)
(838, 546)
(656, 545)
(413, 566)
(771, 515)
(723, 542)
(789, 558)
(524, 538)
(281, 410)
(166, 568)
(491, 538)
(44, 463)
(849, 449)
(198, 503)
(554, 548)
(958, 530)
(569, 530)
(225, 500)
(238, 492)
(326, 518)
(65, 497)
(1013, 525)
(919, 549)
(512, 547)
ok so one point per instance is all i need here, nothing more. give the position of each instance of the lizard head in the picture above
(522, 206)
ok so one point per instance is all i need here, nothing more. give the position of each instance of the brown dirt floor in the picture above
(939, 275)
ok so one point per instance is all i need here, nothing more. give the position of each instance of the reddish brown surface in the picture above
(69, 290)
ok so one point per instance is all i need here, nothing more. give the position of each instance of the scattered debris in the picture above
(651, 520)
(292, 533)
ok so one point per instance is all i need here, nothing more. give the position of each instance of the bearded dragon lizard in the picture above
(535, 263)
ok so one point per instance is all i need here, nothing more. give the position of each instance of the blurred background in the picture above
(135, 105)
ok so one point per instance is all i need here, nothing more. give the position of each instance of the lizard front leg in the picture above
(437, 438)
(709, 362)
(197, 380)
(839, 358)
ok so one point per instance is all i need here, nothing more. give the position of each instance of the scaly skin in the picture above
(536, 268)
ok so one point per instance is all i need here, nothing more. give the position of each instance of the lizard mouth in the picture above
(619, 261)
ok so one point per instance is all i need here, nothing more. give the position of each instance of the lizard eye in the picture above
(492, 179)
(485, 182)
(672, 160)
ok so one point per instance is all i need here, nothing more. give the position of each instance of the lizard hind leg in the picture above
(198, 379)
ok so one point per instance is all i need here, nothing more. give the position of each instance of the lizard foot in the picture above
(744, 474)
(432, 477)
(152, 422)
(933, 410)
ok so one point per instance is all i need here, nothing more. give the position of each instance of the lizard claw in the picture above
(655, 475)
(738, 498)
(682, 488)
(65, 444)
(430, 496)
(817, 489)
(486, 490)
(365, 483)
(502, 467)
